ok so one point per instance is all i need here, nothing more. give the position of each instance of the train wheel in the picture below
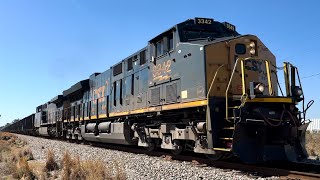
(228, 155)
(215, 157)
(151, 147)
(180, 147)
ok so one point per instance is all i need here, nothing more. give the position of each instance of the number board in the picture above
(229, 26)
(203, 21)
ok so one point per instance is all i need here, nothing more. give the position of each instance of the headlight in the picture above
(252, 51)
(256, 89)
(252, 44)
(259, 88)
(297, 91)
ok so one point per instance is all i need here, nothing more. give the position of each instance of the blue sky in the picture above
(46, 46)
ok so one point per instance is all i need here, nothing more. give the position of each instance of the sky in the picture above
(47, 46)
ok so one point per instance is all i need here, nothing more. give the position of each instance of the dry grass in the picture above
(22, 170)
(51, 163)
(95, 170)
(73, 168)
(77, 171)
(67, 163)
(16, 155)
(313, 144)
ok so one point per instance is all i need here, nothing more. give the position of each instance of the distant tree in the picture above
(7, 124)
(16, 120)
(2, 127)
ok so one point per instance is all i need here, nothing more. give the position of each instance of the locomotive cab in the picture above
(258, 122)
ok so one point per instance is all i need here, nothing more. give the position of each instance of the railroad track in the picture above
(284, 171)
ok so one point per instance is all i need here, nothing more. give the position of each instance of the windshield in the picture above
(198, 32)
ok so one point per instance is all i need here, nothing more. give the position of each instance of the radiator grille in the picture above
(117, 69)
(155, 96)
(171, 93)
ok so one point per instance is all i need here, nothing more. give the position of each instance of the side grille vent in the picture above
(171, 93)
(117, 69)
(155, 96)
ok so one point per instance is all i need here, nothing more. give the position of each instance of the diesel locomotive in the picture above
(198, 86)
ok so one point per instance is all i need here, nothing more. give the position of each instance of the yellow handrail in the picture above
(269, 78)
(208, 94)
(243, 78)
(286, 78)
(227, 90)
(244, 81)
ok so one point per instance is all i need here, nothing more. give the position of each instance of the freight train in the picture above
(198, 86)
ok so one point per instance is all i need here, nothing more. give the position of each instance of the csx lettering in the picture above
(253, 65)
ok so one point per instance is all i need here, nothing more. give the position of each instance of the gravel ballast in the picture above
(137, 166)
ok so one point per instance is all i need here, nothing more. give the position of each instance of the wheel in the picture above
(215, 157)
(151, 147)
(228, 155)
(180, 147)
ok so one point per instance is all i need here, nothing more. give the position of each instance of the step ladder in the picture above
(227, 130)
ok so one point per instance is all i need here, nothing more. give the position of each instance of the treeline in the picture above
(8, 124)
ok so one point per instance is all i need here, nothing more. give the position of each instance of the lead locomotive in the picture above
(198, 86)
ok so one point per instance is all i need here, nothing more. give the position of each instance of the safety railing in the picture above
(208, 123)
(243, 80)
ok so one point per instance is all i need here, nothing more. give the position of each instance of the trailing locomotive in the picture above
(199, 86)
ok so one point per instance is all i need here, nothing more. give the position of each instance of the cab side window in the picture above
(159, 48)
(170, 42)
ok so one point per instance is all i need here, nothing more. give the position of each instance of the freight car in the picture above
(198, 86)
(25, 126)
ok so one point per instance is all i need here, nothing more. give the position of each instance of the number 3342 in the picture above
(204, 21)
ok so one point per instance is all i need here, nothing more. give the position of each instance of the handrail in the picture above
(209, 90)
(208, 123)
(267, 63)
(269, 77)
(286, 78)
(227, 90)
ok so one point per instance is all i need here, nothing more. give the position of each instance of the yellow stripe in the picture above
(271, 100)
(152, 109)
(139, 111)
(102, 115)
(86, 118)
(81, 119)
(165, 107)
(118, 114)
(93, 117)
(185, 105)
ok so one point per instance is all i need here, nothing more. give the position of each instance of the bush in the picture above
(95, 170)
(23, 170)
(67, 165)
(312, 144)
(73, 168)
(51, 163)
